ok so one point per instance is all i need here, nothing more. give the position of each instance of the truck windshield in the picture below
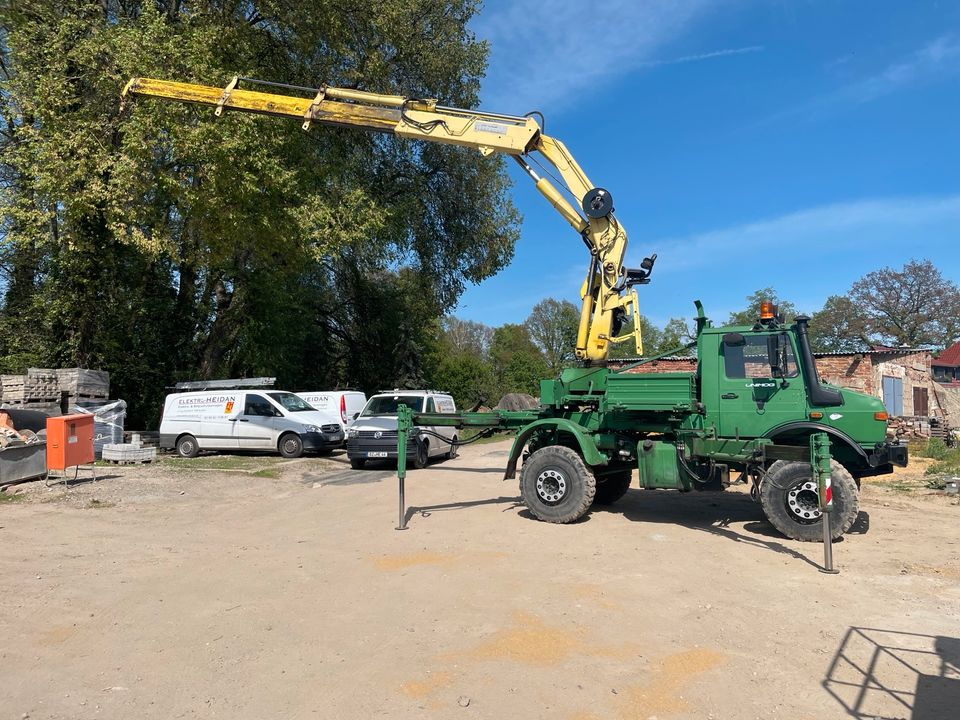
(290, 402)
(387, 404)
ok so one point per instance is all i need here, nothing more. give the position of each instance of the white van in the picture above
(338, 405)
(373, 435)
(245, 420)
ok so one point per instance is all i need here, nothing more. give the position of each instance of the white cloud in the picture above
(935, 61)
(912, 226)
(547, 53)
(940, 57)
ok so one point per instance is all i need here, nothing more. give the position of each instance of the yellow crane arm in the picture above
(607, 296)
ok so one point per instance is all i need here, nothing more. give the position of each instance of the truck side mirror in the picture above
(774, 356)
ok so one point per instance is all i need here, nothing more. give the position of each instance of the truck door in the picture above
(751, 400)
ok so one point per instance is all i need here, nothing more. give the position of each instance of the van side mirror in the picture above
(356, 415)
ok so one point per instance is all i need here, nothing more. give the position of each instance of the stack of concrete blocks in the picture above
(81, 384)
(132, 453)
(42, 389)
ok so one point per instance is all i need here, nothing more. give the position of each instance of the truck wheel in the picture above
(788, 497)
(187, 446)
(291, 446)
(452, 453)
(358, 463)
(612, 487)
(422, 457)
(556, 486)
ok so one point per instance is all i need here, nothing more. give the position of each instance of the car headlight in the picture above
(311, 429)
(351, 432)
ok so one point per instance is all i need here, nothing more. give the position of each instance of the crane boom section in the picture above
(602, 293)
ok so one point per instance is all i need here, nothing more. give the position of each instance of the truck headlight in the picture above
(351, 432)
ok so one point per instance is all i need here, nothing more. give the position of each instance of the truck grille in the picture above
(331, 428)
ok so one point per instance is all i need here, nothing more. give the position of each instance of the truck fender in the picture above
(835, 435)
(588, 448)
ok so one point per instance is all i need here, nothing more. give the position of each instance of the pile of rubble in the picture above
(907, 428)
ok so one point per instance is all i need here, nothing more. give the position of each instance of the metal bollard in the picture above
(404, 424)
(820, 465)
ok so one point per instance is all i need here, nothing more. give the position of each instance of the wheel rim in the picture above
(551, 486)
(186, 447)
(290, 445)
(803, 502)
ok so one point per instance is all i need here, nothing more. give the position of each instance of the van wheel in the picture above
(187, 446)
(452, 453)
(422, 457)
(358, 463)
(291, 446)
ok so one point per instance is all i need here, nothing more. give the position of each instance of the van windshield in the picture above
(387, 404)
(290, 402)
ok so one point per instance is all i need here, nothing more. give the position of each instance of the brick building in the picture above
(946, 366)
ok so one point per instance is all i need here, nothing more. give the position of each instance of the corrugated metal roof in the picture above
(878, 351)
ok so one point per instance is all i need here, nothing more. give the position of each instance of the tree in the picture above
(839, 326)
(467, 335)
(751, 313)
(912, 306)
(165, 244)
(677, 333)
(553, 326)
(518, 364)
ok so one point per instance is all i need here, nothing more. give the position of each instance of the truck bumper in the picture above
(888, 453)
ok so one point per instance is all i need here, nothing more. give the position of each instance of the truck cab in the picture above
(761, 382)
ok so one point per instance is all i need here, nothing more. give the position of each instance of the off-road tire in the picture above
(612, 487)
(782, 477)
(187, 446)
(554, 465)
(453, 451)
(422, 456)
(290, 445)
(358, 463)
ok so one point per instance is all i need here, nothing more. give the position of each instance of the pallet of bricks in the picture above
(83, 385)
(42, 388)
(39, 389)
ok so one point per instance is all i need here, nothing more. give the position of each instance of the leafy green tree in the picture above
(915, 305)
(839, 326)
(162, 243)
(518, 364)
(553, 326)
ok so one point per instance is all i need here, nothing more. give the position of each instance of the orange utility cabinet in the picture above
(69, 441)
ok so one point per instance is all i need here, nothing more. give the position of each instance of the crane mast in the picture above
(607, 294)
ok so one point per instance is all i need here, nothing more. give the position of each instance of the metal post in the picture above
(820, 465)
(404, 424)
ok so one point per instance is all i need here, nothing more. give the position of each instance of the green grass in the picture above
(8, 498)
(267, 473)
(948, 465)
(95, 504)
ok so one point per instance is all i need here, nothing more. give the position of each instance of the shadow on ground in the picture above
(887, 674)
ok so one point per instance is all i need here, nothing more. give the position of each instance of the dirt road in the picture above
(168, 592)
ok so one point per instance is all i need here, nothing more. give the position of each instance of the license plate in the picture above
(377, 453)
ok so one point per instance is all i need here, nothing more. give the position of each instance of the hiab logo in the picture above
(229, 408)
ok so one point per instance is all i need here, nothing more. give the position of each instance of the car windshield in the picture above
(387, 404)
(291, 402)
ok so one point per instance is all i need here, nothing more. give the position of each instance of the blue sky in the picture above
(792, 143)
